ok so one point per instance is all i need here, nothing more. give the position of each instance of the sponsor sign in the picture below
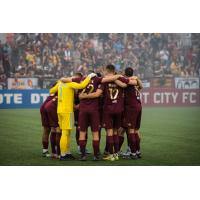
(186, 83)
(22, 83)
(161, 97)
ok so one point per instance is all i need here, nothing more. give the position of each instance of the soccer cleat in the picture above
(133, 156)
(109, 157)
(82, 158)
(120, 154)
(46, 154)
(55, 156)
(64, 158)
(96, 158)
(128, 152)
(116, 156)
(67, 157)
(138, 154)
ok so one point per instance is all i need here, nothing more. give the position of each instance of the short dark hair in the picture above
(110, 68)
(129, 71)
(79, 74)
(99, 74)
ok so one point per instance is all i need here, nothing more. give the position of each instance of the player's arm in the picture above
(134, 80)
(139, 83)
(121, 84)
(110, 78)
(82, 84)
(54, 89)
(91, 95)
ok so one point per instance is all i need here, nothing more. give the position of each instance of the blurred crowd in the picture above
(52, 55)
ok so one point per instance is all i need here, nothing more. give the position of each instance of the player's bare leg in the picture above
(45, 141)
(95, 144)
(82, 144)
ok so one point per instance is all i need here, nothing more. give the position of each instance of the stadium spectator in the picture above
(51, 55)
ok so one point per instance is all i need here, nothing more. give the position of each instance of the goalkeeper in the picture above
(65, 112)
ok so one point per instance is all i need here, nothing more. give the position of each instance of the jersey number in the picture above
(113, 93)
(90, 87)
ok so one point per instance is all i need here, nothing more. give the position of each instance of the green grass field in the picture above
(170, 136)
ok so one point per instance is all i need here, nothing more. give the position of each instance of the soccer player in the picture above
(132, 114)
(51, 109)
(89, 115)
(112, 109)
(46, 126)
(65, 112)
(76, 78)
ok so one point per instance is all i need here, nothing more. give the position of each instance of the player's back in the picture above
(131, 96)
(93, 103)
(113, 97)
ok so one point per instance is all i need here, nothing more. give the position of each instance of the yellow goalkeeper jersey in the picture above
(66, 94)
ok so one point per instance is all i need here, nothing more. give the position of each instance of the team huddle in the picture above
(111, 101)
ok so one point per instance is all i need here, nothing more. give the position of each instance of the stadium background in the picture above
(168, 65)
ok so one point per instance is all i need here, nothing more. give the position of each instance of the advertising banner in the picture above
(157, 97)
(22, 83)
(170, 97)
(186, 83)
(22, 98)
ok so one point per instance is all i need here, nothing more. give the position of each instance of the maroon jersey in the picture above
(113, 96)
(91, 104)
(132, 96)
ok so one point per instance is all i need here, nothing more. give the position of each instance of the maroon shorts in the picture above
(111, 120)
(89, 118)
(132, 117)
(51, 109)
(43, 113)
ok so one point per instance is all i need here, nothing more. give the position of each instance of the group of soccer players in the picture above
(111, 101)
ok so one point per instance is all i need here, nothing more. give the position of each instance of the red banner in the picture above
(170, 97)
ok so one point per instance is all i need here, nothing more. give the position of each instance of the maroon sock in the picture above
(110, 144)
(86, 137)
(45, 144)
(137, 142)
(107, 146)
(82, 144)
(128, 143)
(132, 142)
(53, 142)
(77, 136)
(116, 143)
(95, 144)
(121, 141)
(99, 134)
(58, 136)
